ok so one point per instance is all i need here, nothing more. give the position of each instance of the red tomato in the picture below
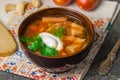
(87, 4)
(62, 2)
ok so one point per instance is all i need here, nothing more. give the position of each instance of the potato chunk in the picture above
(68, 39)
(73, 48)
(77, 30)
(79, 40)
(75, 25)
(76, 46)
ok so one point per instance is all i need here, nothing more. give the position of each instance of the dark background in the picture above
(92, 73)
(109, 42)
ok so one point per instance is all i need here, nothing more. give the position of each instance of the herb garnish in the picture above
(37, 44)
(58, 32)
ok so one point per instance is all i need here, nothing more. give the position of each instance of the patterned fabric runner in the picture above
(19, 64)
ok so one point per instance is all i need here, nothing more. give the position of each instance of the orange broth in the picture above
(74, 38)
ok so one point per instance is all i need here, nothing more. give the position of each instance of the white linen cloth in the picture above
(106, 10)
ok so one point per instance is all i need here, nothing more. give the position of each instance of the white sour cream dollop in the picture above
(51, 40)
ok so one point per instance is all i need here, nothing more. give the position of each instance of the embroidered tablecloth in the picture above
(19, 64)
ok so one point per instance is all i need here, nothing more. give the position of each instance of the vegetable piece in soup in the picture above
(55, 36)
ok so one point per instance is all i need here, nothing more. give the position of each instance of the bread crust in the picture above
(7, 42)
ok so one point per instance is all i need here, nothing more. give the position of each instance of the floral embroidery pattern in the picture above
(98, 23)
(21, 65)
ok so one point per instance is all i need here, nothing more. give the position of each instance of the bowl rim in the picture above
(67, 9)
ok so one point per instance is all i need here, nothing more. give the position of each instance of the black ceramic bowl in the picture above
(54, 62)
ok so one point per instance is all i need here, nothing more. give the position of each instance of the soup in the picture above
(55, 36)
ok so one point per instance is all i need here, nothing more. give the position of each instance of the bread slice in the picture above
(7, 43)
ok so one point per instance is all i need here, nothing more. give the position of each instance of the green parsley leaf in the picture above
(48, 51)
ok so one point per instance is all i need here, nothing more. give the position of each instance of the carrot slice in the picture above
(54, 19)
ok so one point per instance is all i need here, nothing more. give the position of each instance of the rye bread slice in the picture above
(7, 43)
